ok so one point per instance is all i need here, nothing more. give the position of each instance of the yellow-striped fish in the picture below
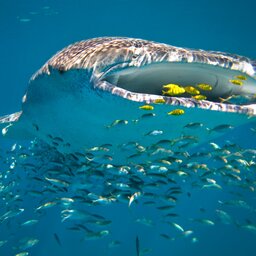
(191, 90)
(172, 89)
(147, 107)
(236, 82)
(199, 97)
(241, 77)
(159, 101)
(177, 112)
(205, 87)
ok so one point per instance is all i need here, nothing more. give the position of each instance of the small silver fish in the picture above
(10, 214)
(224, 216)
(27, 242)
(29, 222)
(221, 128)
(205, 221)
(58, 182)
(96, 235)
(46, 205)
(154, 133)
(176, 226)
(249, 227)
(193, 125)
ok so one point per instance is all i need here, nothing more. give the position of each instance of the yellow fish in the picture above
(147, 107)
(241, 77)
(159, 101)
(177, 112)
(173, 89)
(236, 82)
(191, 90)
(205, 87)
(199, 97)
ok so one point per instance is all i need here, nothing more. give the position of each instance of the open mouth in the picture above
(197, 81)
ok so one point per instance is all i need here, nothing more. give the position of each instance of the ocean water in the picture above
(202, 221)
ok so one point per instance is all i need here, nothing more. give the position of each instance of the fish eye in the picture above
(135, 56)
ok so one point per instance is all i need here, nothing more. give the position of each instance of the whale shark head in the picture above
(136, 68)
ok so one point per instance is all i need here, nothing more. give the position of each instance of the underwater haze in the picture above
(173, 197)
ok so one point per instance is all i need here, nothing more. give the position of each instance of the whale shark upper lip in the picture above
(112, 69)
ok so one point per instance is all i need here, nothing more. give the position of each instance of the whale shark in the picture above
(109, 90)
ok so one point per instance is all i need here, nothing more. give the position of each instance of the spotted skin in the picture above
(100, 54)
(94, 53)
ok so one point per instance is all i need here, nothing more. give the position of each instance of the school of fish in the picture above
(79, 183)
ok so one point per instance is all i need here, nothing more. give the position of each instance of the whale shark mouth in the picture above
(227, 86)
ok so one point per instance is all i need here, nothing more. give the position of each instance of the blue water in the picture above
(32, 31)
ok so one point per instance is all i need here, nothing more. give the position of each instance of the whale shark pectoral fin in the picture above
(10, 118)
(14, 127)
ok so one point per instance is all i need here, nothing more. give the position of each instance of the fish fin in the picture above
(10, 118)
(14, 127)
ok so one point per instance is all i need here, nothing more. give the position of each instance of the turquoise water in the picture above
(30, 34)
